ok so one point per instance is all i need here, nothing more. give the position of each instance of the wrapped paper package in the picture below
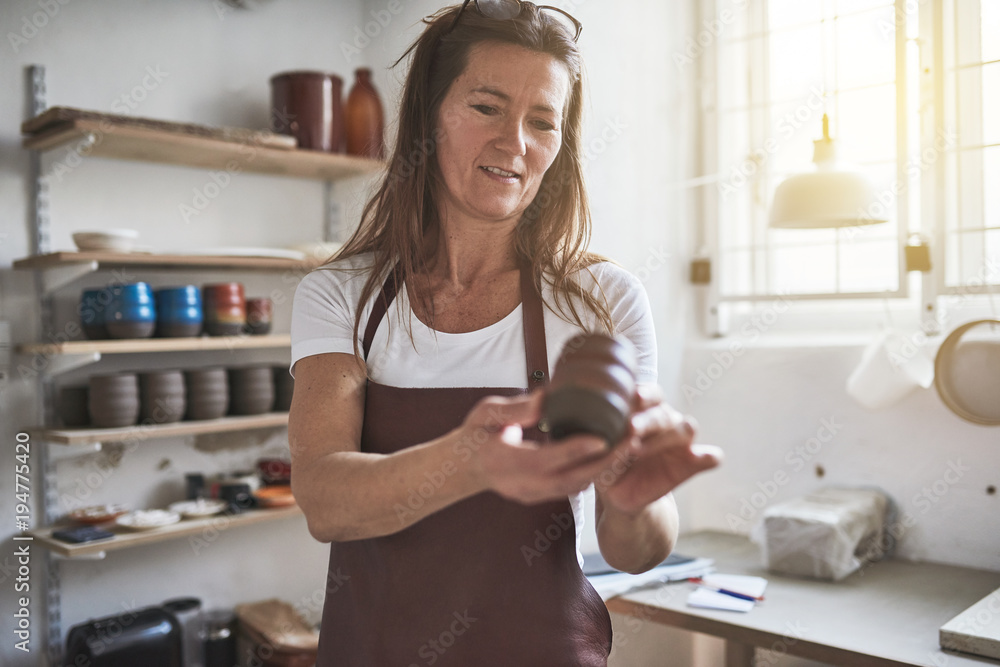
(827, 534)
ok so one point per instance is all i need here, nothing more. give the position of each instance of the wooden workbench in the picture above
(887, 614)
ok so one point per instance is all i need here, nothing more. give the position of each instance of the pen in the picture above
(725, 591)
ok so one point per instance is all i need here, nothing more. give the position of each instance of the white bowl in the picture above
(116, 240)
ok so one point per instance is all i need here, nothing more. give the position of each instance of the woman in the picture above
(454, 530)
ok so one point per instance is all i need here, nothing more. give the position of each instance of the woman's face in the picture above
(500, 127)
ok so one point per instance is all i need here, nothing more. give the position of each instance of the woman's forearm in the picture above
(355, 495)
(637, 542)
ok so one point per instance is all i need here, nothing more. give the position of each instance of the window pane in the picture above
(866, 49)
(733, 88)
(869, 266)
(990, 30)
(991, 195)
(991, 102)
(991, 273)
(970, 189)
(783, 13)
(796, 60)
(852, 6)
(866, 130)
(803, 270)
(794, 127)
(735, 214)
(792, 238)
(736, 276)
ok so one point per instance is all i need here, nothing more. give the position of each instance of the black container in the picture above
(148, 637)
(218, 634)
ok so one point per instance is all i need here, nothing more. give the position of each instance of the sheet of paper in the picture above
(709, 599)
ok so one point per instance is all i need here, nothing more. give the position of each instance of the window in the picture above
(928, 138)
(970, 59)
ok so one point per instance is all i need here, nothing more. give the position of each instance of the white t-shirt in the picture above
(326, 302)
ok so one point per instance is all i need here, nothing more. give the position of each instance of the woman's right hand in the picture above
(524, 470)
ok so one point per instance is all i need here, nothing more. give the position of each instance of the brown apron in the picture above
(483, 582)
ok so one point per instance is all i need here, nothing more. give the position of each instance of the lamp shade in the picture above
(832, 195)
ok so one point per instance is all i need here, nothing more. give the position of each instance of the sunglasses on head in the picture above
(504, 10)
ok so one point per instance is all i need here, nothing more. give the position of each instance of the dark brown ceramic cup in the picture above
(251, 390)
(113, 400)
(207, 393)
(73, 406)
(163, 397)
(592, 389)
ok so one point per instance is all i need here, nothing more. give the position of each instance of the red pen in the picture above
(725, 591)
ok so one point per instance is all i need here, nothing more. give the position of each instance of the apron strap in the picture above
(378, 311)
(532, 314)
(533, 317)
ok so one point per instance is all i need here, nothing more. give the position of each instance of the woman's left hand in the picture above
(657, 455)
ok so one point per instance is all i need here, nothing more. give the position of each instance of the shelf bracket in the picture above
(59, 452)
(63, 363)
(59, 276)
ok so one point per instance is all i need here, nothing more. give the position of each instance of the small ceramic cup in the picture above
(225, 309)
(207, 393)
(162, 395)
(92, 309)
(113, 400)
(132, 313)
(259, 316)
(179, 312)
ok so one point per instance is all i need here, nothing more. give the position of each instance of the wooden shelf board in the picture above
(139, 345)
(153, 260)
(87, 436)
(125, 538)
(127, 142)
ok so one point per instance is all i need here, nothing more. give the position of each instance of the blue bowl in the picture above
(179, 311)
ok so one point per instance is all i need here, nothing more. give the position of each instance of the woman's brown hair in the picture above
(554, 231)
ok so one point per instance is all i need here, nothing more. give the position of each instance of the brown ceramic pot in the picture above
(592, 389)
(207, 393)
(306, 105)
(113, 400)
(251, 390)
(259, 316)
(163, 397)
(225, 309)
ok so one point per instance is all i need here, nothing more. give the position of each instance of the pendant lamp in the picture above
(832, 195)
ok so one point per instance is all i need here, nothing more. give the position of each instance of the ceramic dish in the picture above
(98, 513)
(116, 240)
(274, 496)
(196, 509)
(147, 519)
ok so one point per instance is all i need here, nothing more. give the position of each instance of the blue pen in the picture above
(724, 591)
